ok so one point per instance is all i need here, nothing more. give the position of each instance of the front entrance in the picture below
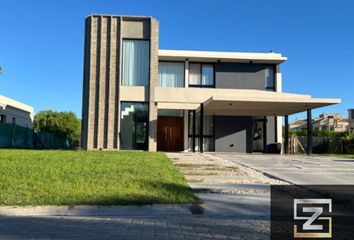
(170, 134)
(258, 131)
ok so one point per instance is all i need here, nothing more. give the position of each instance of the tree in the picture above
(64, 124)
(1, 69)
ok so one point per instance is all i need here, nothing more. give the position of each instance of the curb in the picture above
(129, 210)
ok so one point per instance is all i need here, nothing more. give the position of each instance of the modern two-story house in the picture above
(136, 96)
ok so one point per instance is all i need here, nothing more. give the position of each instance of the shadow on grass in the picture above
(154, 192)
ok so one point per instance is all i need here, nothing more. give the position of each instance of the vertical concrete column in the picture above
(119, 83)
(113, 83)
(154, 47)
(102, 83)
(193, 131)
(186, 73)
(201, 123)
(92, 77)
(186, 112)
(286, 140)
(309, 132)
(185, 130)
(278, 88)
(86, 83)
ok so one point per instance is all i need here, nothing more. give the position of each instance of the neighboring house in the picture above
(298, 124)
(351, 119)
(136, 96)
(331, 122)
(14, 112)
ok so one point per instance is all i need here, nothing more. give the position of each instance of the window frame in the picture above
(184, 72)
(201, 75)
(122, 60)
(197, 135)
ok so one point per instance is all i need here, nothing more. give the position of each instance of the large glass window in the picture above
(207, 75)
(208, 132)
(171, 74)
(136, 63)
(134, 126)
(201, 75)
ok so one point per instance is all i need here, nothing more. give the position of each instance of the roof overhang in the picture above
(5, 102)
(263, 107)
(236, 102)
(206, 56)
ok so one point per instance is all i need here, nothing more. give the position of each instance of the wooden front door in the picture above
(170, 134)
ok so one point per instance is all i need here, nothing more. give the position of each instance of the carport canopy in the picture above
(279, 104)
(237, 102)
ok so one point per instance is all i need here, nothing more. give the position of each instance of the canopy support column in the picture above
(193, 131)
(309, 132)
(286, 139)
(201, 128)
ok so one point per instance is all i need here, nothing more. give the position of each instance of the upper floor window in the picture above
(171, 74)
(135, 67)
(269, 78)
(201, 75)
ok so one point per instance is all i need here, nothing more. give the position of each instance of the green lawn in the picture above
(35, 177)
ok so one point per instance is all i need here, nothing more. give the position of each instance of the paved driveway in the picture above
(298, 169)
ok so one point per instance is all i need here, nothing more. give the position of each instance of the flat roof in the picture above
(5, 101)
(204, 56)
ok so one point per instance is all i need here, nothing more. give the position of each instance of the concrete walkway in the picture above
(225, 187)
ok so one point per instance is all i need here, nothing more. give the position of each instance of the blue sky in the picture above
(41, 42)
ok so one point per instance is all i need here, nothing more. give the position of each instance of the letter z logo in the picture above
(309, 229)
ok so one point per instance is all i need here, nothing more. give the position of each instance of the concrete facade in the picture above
(245, 86)
(14, 112)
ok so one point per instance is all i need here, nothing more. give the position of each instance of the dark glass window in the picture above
(134, 126)
(269, 78)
